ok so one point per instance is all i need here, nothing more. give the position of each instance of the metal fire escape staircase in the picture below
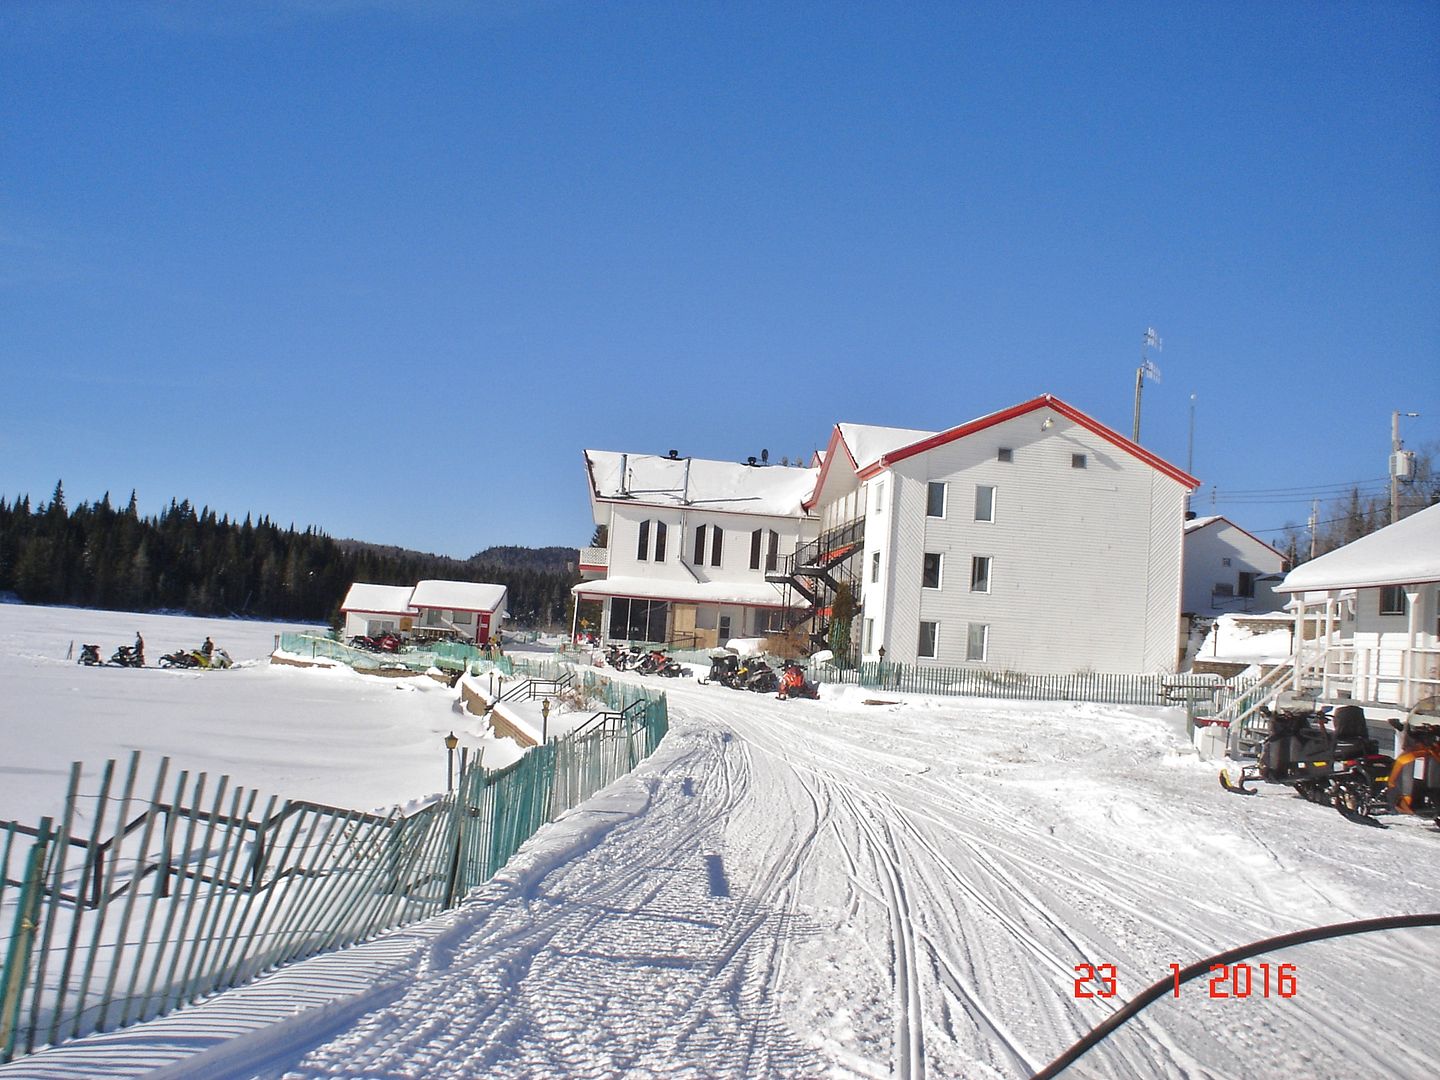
(816, 571)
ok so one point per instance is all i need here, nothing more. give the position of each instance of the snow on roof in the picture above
(381, 599)
(459, 595)
(868, 444)
(706, 485)
(1201, 522)
(1405, 553)
(1195, 524)
(753, 593)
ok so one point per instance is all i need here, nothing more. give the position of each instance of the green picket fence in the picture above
(1145, 689)
(152, 892)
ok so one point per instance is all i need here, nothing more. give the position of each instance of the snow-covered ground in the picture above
(330, 735)
(839, 888)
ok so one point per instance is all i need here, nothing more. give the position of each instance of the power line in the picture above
(1303, 489)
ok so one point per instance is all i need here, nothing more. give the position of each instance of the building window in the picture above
(642, 549)
(1005, 454)
(1246, 585)
(875, 568)
(660, 531)
(977, 642)
(1392, 600)
(930, 573)
(980, 573)
(463, 618)
(869, 646)
(879, 496)
(772, 553)
(929, 645)
(638, 620)
(755, 541)
(984, 503)
(715, 542)
(1077, 461)
(1224, 588)
(1225, 562)
(935, 499)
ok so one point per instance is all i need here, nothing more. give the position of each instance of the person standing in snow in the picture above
(139, 649)
(208, 648)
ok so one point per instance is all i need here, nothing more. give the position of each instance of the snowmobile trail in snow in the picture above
(812, 888)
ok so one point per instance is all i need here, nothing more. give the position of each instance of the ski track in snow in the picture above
(828, 889)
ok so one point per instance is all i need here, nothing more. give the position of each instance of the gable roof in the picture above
(461, 595)
(1405, 553)
(1044, 401)
(1196, 524)
(378, 599)
(725, 486)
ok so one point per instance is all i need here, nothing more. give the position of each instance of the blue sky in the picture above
(386, 268)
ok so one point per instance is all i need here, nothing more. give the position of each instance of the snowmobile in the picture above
(180, 658)
(761, 678)
(794, 684)
(90, 656)
(1341, 768)
(1414, 779)
(125, 656)
(723, 663)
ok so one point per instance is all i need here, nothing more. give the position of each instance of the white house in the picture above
(464, 610)
(1034, 539)
(1228, 569)
(690, 543)
(1367, 616)
(371, 610)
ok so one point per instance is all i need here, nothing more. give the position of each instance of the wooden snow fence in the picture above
(152, 891)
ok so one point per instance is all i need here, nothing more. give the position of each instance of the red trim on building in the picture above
(698, 603)
(836, 439)
(1044, 401)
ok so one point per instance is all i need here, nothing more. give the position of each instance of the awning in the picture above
(747, 594)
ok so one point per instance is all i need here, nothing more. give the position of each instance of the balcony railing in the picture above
(594, 557)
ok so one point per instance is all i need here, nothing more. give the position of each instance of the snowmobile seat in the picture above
(1350, 734)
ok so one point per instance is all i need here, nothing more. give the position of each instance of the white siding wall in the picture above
(680, 543)
(1085, 562)
(1206, 550)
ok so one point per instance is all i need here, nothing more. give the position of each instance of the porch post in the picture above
(1409, 690)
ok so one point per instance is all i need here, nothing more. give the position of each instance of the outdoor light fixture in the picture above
(1048, 423)
(450, 743)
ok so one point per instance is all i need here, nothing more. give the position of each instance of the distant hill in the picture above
(560, 560)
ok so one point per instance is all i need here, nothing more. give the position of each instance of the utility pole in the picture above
(1400, 466)
(1147, 369)
(1314, 520)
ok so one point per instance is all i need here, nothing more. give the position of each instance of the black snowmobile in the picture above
(1341, 767)
(723, 665)
(125, 656)
(90, 656)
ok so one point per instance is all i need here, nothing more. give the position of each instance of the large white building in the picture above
(690, 544)
(1034, 539)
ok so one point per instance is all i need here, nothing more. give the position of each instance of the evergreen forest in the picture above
(184, 559)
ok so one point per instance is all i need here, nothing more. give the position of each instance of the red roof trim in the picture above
(1044, 401)
(836, 439)
(582, 595)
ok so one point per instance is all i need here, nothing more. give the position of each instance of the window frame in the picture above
(1398, 606)
(934, 653)
(939, 557)
(875, 568)
(977, 563)
(1079, 461)
(984, 629)
(990, 508)
(931, 489)
(642, 547)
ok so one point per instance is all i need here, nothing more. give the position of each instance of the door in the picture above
(724, 634)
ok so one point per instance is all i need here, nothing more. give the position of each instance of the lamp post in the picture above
(881, 652)
(450, 743)
(544, 720)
